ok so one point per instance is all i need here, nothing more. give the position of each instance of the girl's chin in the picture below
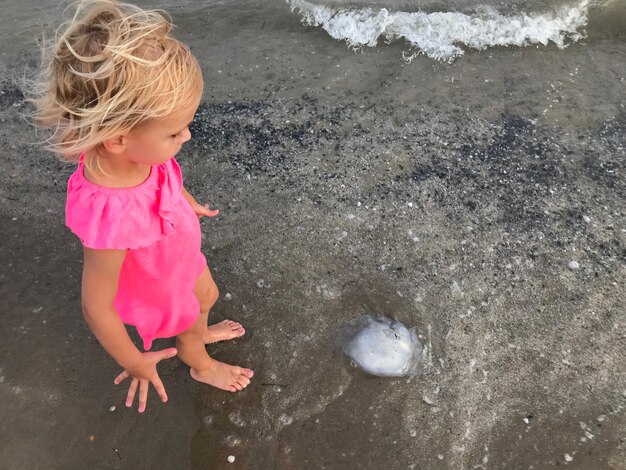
(158, 161)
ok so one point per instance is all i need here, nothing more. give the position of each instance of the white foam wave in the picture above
(440, 35)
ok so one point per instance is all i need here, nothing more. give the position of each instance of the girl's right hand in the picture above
(143, 374)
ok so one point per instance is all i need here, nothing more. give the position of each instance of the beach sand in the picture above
(482, 202)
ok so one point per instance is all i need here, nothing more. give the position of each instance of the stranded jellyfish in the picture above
(382, 346)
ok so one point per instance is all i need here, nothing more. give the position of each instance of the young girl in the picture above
(120, 93)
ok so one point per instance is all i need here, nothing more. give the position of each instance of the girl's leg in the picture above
(203, 368)
(207, 294)
(191, 343)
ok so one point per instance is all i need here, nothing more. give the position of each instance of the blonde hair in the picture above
(113, 67)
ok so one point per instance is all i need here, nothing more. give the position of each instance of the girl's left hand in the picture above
(202, 211)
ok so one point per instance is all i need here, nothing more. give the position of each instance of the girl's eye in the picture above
(175, 136)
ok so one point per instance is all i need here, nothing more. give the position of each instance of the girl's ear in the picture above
(115, 144)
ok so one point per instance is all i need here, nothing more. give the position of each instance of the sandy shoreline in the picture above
(452, 197)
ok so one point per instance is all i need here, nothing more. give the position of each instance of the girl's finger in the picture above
(158, 386)
(208, 212)
(120, 378)
(131, 392)
(165, 354)
(143, 395)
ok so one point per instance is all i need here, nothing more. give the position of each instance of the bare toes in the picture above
(243, 383)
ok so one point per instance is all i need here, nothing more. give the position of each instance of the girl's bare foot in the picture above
(222, 331)
(223, 376)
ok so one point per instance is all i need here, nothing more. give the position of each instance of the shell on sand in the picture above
(382, 346)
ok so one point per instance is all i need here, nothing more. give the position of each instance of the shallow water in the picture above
(482, 179)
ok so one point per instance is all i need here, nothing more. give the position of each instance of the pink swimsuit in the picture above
(161, 233)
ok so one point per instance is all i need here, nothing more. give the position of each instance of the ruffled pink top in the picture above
(161, 233)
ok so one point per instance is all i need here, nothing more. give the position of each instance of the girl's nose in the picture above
(186, 135)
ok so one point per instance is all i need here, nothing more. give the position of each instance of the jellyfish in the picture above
(382, 346)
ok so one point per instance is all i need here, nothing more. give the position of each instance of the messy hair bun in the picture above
(112, 67)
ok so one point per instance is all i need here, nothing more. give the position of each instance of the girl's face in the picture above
(158, 140)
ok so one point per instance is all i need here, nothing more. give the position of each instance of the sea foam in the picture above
(442, 35)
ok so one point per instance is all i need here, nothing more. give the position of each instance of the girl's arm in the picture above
(101, 272)
(199, 209)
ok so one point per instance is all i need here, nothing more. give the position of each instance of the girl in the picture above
(119, 94)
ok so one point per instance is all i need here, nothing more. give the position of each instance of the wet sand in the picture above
(481, 202)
